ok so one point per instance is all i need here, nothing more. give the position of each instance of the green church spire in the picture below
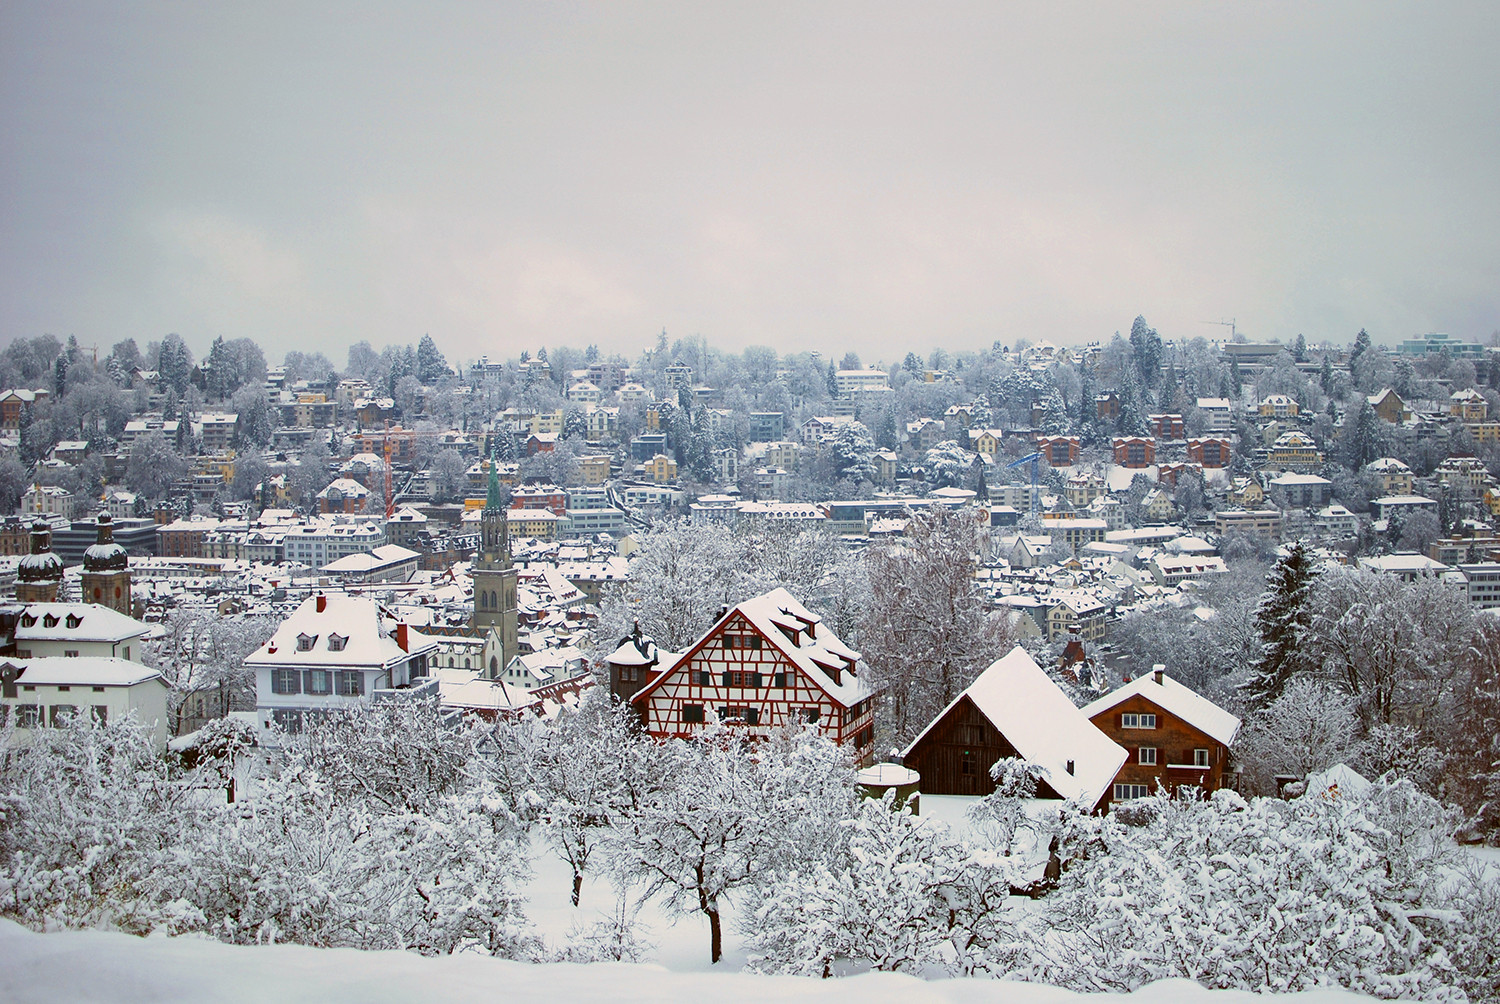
(492, 501)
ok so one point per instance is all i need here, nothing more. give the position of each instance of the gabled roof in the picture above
(813, 657)
(88, 622)
(1037, 718)
(1176, 699)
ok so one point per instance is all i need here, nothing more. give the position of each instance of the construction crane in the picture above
(1034, 459)
(1225, 324)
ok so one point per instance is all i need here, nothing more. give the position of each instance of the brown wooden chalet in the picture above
(1014, 710)
(766, 663)
(1175, 737)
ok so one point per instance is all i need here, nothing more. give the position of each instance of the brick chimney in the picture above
(322, 604)
(1156, 672)
(401, 637)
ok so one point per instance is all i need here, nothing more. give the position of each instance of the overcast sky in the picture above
(858, 176)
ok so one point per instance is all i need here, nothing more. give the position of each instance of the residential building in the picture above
(333, 652)
(851, 382)
(1210, 452)
(1302, 491)
(1059, 451)
(1294, 450)
(1395, 478)
(661, 469)
(593, 521)
(766, 426)
(767, 663)
(317, 544)
(1173, 569)
(1482, 581)
(1134, 452)
(47, 500)
(1265, 522)
(1013, 710)
(1218, 412)
(1076, 612)
(1167, 426)
(78, 630)
(1278, 406)
(48, 691)
(1389, 406)
(1468, 405)
(1175, 738)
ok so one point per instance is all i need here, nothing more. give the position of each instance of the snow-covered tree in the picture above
(1282, 621)
(201, 654)
(1309, 727)
(929, 633)
(949, 465)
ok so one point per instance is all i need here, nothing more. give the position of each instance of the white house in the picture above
(76, 630)
(332, 652)
(45, 692)
(544, 668)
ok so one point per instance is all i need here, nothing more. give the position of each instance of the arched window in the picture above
(494, 664)
(493, 604)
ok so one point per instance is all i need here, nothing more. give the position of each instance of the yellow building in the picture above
(1294, 449)
(661, 469)
(593, 470)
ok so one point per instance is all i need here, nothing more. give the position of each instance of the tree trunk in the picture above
(716, 936)
(577, 886)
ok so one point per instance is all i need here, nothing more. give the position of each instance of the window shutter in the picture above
(780, 680)
(306, 681)
(757, 680)
(752, 716)
(726, 678)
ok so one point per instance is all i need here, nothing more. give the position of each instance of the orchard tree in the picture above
(929, 632)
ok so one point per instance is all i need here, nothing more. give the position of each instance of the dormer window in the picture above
(305, 642)
(28, 620)
(74, 620)
(49, 621)
(336, 642)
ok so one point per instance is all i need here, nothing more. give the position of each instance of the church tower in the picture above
(39, 575)
(494, 578)
(106, 570)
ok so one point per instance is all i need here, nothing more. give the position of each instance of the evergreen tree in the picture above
(1236, 380)
(60, 375)
(1282, 621)
(1362, 437)
(1299, 349)
(431, 364)
(833, 379)
(1325, 376)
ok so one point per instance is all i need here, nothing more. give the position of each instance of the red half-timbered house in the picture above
(766, 663)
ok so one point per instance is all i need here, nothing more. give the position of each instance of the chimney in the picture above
(401, 637)
(1070, 766)
(1156, 672)
(322, 604)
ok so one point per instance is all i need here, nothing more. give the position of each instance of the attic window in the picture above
(74, 620)
(336, 642)
(49, 621)
(792, 633)
(28, 620)
(305, 642)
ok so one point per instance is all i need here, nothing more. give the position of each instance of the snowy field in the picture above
(89, 966)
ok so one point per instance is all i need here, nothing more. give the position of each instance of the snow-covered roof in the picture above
(468, 690)
(814, 657)
(1388, 464)
(1037, 718)
(76, 622)
(82, 671)
(368, 636)
(1338, 780)
(1175, 699)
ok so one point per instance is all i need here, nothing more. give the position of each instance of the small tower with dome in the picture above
(106, 570)
(39, 574)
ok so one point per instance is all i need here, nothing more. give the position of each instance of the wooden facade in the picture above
(1177, 754)
(744, 673)
(954, 756)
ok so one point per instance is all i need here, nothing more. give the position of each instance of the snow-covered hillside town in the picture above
(634, 502)
(724, 644)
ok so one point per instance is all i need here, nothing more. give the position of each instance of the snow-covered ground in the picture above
(88, 966)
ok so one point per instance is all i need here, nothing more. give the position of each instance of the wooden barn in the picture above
(1014, 710)
(765, 663)
(1176, 738)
